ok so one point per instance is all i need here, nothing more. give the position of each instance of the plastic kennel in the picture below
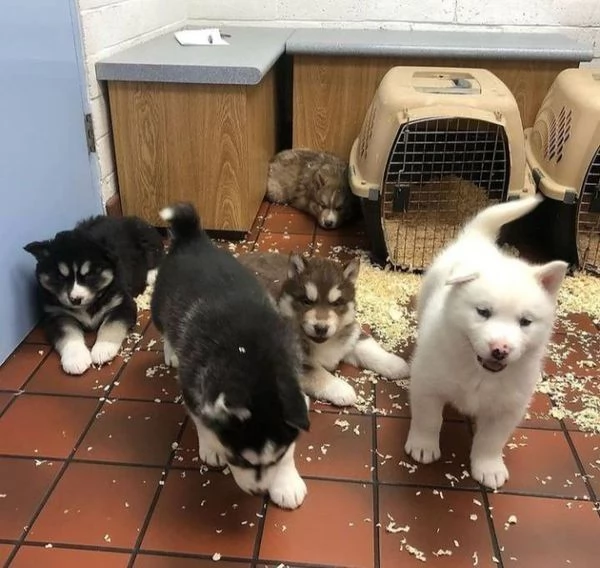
(563, 150)
(436, 146)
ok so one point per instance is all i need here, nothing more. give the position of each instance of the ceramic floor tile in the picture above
(588, 450)
(51, 379)
(423, 526)
(290, 223)
(203, 514)
(548, 532)
(574, 399)
(538, 414)
(97, 505)
(5, 398)
(20, 365)
(37, 335)
(47, 426)
(451, 470)
(285, 244)
(133, 432)
(30, 556)
(23, 485)
(146, 377)
(332, 247)
(391, 398)
(334, 526)
(151, 561)
(336, 447)
(152, 340)
(186, 453)
(574, 353)
(540, 462)
(5, 552)
(573, 323)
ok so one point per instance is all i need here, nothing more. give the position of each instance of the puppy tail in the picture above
(183, 218)
(487, 223)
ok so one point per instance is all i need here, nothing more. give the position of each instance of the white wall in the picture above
(579, 19)
(109, 26)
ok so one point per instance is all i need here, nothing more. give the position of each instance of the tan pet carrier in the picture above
(436, 146)
(563, 151)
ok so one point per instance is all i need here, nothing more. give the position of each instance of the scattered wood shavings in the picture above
(343, 424)
(442, 552)
(393, 528)
(216, 556)
(473, 517)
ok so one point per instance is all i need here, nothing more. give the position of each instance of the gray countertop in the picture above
(245, 61)
(417, 43)
(252, 52)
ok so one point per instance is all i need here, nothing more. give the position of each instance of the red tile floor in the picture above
(102, 471)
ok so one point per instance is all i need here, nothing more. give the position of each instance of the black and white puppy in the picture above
(238, 360)
(88, 278)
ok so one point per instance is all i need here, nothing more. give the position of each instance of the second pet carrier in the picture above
(437, 145)
(563, 150)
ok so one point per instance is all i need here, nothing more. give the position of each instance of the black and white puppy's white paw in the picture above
(288, 489)
(75, 358)
(104, 352)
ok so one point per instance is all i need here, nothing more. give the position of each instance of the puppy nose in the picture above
(328, 224)
(321, 330)
(499, 350)
(75, 301)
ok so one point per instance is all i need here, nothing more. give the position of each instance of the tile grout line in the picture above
(375, 478)
(260, 531)
(491, 528)
(166, 470)
(20, 391)
(582, 470)
(67, 462)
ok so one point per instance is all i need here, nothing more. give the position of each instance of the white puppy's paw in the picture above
(75, 359)
(422, 449)
(338, 392)
(288, 489)
(394, 367)
(104, 351)
(171, 359)
(490, 472)
(211, 456)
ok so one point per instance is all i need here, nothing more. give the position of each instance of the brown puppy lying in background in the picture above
(314, 182)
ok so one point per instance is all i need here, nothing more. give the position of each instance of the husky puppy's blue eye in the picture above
(485, 313)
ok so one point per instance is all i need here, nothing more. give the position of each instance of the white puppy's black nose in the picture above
(321, 330)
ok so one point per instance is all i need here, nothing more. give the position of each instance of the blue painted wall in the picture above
(46, 181)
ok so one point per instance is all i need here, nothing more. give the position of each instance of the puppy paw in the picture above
(421, 448)
(171, 359)
(288, 489)
(211, 457)
(104, 351)
(339, 392)
(394, 367)
(490, 472)
(75, 359)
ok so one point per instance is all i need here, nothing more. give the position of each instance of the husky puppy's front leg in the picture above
(319, 383)
(113, 332)
(67, 338)
(368, 354)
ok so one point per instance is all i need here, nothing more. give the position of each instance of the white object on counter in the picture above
(209, 36)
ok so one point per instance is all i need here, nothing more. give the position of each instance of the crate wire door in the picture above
(588, 219)
(439, 173)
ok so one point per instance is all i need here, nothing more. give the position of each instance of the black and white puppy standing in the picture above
(88, 278)
(238, 360)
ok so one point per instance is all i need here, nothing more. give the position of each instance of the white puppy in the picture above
(485, 319)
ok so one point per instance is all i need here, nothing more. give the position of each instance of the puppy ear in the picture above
(223, 409)
(39, 249)
(297, 265)
(462, 278)
(551, 275)
(351, 270)
(461, 274)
